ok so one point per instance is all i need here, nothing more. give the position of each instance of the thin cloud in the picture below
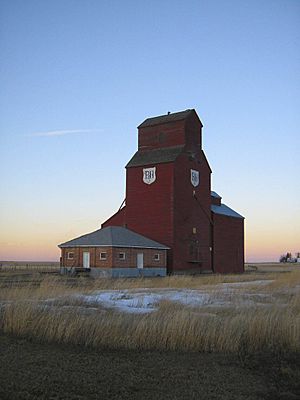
(62, 132)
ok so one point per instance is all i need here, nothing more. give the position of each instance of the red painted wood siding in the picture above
(185, 133)
(228, 249)
(118, 219)
(149, 208)
(163, 135)
(191, 214)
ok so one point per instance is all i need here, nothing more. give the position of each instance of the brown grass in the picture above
(38, 266)
(237, 329)
(172, 327)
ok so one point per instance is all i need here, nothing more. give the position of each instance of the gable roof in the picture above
(164, 119)
(113, 236)
(225, 210)
(156, 156)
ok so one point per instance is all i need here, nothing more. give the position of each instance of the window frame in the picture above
(68, 255)
(156, 257)
(105, 256)
(123, 256)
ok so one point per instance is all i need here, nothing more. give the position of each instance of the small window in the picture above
(70, 255)
(121, 256)
(156, 257)
(103, 256)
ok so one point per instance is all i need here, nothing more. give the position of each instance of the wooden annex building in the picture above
(168, 201)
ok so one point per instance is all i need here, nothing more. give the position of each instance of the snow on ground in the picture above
(248, 283)
(147, 300)
(143, 301)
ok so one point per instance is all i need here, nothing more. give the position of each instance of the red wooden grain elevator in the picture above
(169, 198)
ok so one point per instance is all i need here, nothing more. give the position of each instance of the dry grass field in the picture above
(45, 266)
(250, 312)
(247, 321)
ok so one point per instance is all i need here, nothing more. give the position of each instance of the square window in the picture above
(103, 256)
(121, 256)
(70, 256)
(156, 257)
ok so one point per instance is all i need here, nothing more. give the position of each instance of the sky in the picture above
(78, 76)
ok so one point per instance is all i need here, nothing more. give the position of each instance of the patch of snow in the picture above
(248, 283)
(124, 300)
(141, 301)
(202, 300)
(147, 300)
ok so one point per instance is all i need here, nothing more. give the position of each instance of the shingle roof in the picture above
(164, 155)
(163, 119)
(113, 236)
(225, 210)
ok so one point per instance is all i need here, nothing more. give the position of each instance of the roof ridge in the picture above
(165, 118)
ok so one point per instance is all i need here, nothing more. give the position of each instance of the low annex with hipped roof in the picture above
(114, 251)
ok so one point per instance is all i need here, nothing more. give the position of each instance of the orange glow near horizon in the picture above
(41, 244)
(24, 238)
(267, 244)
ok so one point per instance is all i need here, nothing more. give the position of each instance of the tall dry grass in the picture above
(48, 313)
(172, 327)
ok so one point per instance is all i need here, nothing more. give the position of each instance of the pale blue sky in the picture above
(78, 76)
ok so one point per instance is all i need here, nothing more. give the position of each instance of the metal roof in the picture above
(113, 236)
(147, 157)
(225, 210)
(214, 194)
(163, 119)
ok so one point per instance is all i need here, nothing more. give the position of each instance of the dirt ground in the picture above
(32, 370)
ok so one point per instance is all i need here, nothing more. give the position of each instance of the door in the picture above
(86, 259)
(140, 260)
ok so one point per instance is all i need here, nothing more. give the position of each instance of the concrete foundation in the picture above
(116, 272)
